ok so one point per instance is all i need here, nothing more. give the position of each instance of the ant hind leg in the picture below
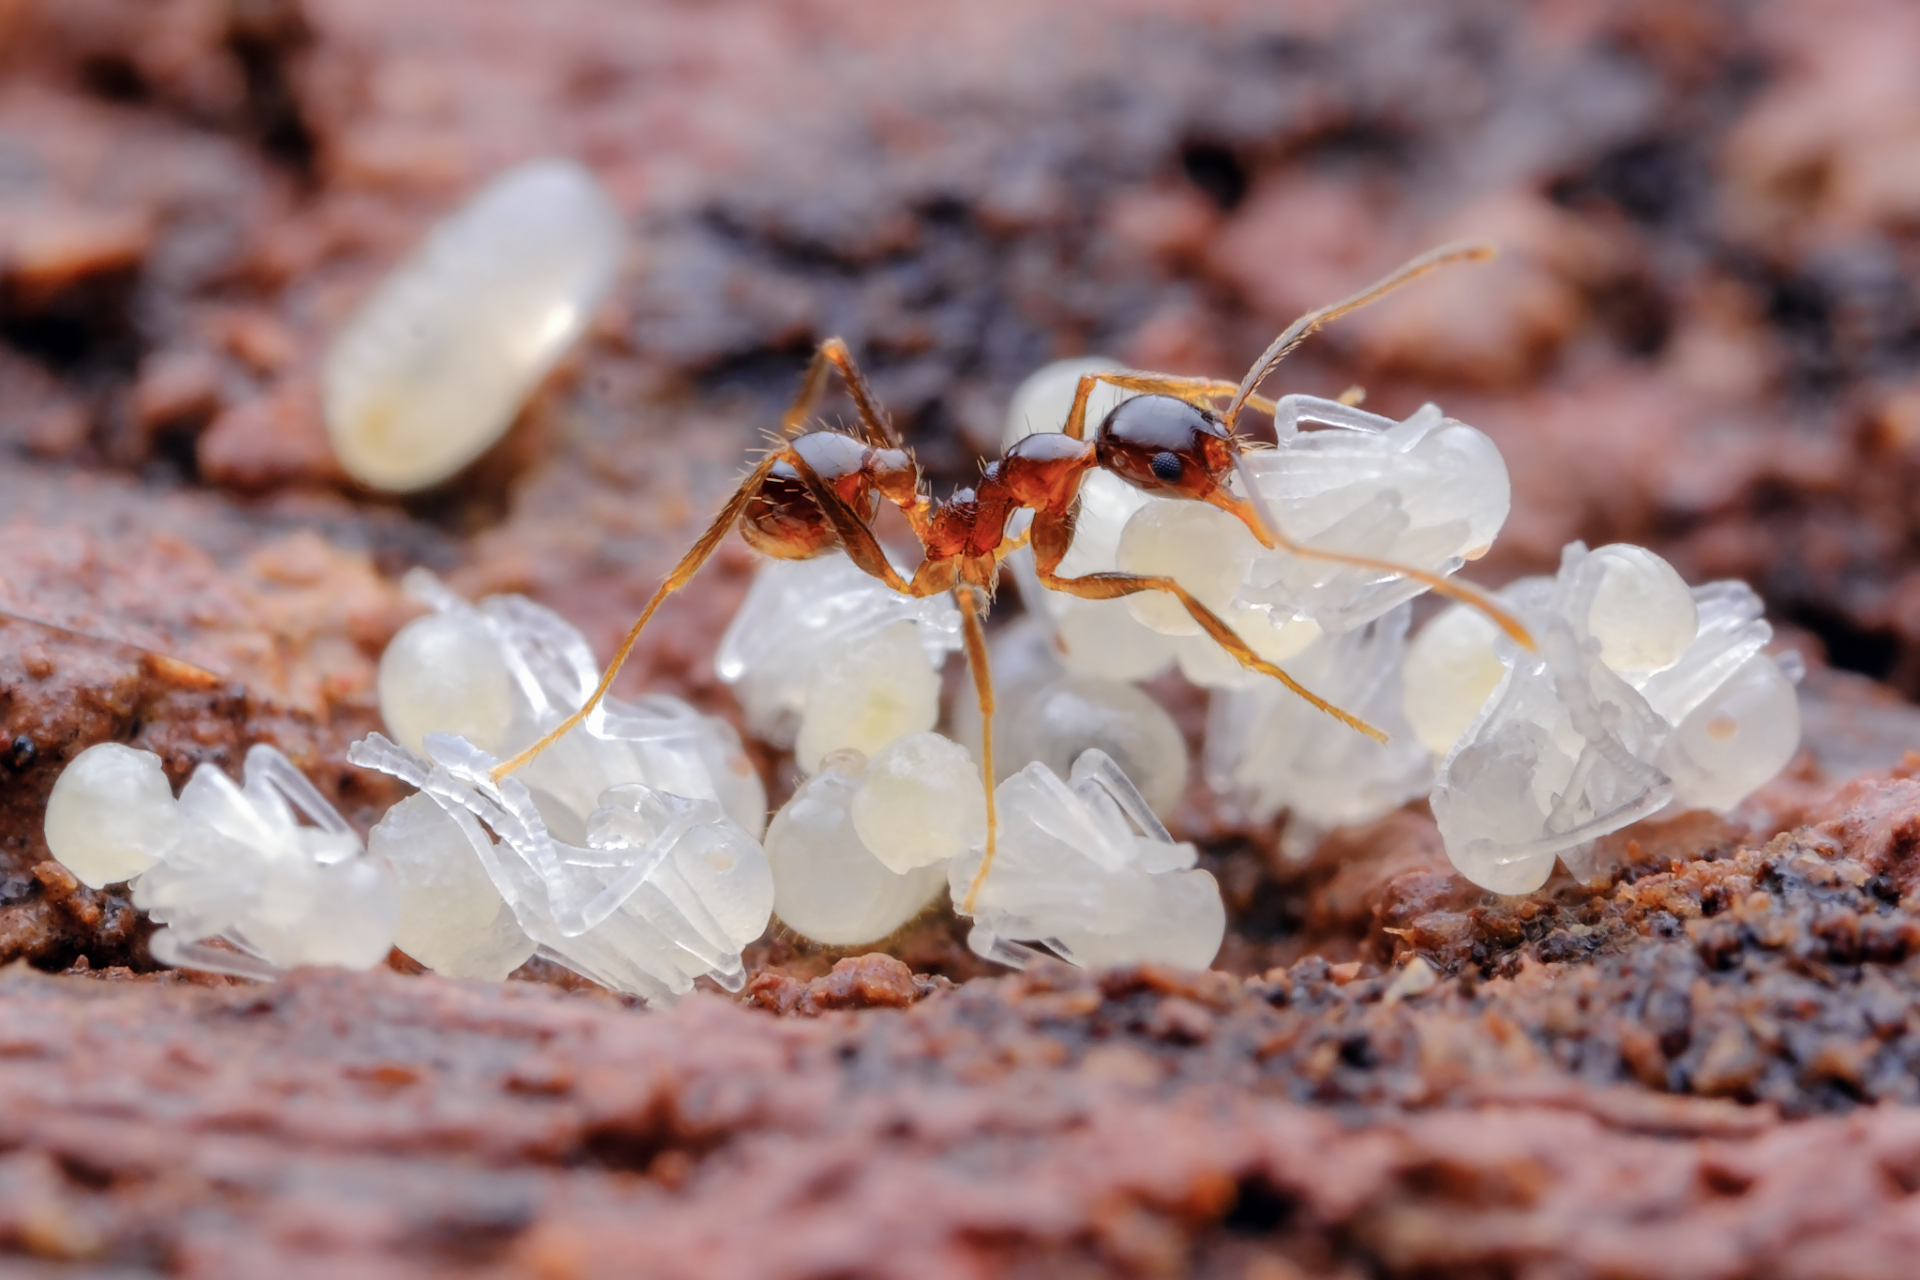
(682, 573)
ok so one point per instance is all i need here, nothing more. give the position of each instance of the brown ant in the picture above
(817, 490)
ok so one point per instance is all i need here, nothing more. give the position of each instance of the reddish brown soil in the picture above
(1701, 335)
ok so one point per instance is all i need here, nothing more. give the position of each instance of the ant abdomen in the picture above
(782, 517)
(1166, 445)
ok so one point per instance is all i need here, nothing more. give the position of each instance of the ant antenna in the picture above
(1297, 332)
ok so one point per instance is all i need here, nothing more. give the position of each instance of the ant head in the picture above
(1165, 445)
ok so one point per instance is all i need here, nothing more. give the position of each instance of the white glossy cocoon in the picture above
(111, 814)
(436, 364)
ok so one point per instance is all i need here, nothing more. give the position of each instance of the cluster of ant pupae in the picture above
(630, 842)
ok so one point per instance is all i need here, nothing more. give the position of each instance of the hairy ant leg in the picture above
(833, 354)
(682, 574)
(856, 536)
(1053, 532)
(973, 608)
(1254, 512)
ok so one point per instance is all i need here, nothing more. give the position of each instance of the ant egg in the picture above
(1451, 670)
(111, 814)
(436, 364)
(876, 689)
(443, 673)
(452, 919)
(920, 803)
(827, 884)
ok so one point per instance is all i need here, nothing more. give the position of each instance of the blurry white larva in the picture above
(436, 364)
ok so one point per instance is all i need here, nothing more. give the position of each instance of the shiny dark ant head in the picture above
(1166, 445)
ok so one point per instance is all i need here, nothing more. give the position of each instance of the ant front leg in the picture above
(682, 574)
(1051, 535)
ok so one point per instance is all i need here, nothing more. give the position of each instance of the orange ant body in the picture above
(818, 490)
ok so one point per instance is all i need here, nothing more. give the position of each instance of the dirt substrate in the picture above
(1701, 336)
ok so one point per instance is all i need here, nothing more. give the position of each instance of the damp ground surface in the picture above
(1701, 335)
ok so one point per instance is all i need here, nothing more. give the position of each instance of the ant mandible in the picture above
(817, 490)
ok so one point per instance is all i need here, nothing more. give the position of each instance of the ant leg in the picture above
(1253, 512)
(1053, 533)
(682, 573)
(971, 610)
(1297, 332)
(812, 384)
(833, 353)
(856, 538)
(1112, 586)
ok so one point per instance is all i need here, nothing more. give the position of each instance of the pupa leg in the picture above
(682, 573)
(972, 609)
(833, 354)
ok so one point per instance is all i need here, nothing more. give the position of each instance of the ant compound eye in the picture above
(1166, 467)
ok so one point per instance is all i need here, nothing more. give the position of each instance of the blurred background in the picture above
(1702, 334)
